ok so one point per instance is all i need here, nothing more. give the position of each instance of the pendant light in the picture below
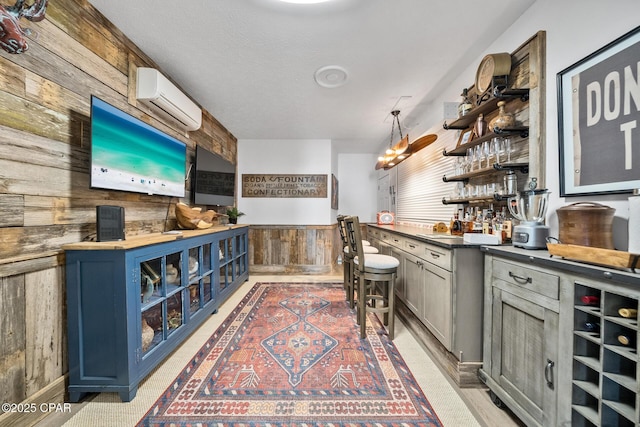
(395, 154)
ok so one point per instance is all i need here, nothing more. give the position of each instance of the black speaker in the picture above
(110, 223)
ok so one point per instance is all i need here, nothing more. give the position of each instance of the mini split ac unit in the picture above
(166, 99)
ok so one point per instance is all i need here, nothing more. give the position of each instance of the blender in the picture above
(530, 208)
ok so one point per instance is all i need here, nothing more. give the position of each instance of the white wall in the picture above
(307, 157)
(575, 29)
(357, 181)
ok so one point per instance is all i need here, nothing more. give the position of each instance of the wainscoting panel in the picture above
(293, 249)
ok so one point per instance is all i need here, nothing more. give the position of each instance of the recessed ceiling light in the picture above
(331, 76)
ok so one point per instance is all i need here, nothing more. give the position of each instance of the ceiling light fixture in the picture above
(331, 76)
(402, 150)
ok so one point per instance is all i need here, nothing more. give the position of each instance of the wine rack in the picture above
(605, 359)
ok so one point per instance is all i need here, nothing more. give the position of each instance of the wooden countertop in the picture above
(147, 239)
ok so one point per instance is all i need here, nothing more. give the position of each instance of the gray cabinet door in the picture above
(524, 352)
(400, 287)
(413, 283)
(437, 302)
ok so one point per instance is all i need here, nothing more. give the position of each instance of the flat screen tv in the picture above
(215, 181)
(129, 155)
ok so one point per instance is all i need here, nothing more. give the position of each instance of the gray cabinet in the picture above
(437, 303)
(521, 338)
(442, 286)
(561, 339)
(412, 271)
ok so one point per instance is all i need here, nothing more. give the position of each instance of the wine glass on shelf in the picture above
(486, 152)
(497, 147)
(477, 155)
(508, 148)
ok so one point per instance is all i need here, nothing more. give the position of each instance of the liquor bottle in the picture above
(465, 105)
(629, 313)
(477, 221)
(456, 226)
(590, 299)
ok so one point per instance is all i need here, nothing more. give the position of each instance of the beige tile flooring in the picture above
(455, 407)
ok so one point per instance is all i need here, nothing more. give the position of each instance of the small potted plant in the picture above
(233, 213)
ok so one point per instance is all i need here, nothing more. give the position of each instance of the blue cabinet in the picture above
(131, 303)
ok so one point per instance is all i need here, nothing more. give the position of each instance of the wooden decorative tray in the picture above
(598, 256)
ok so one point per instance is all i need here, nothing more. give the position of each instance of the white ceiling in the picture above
(251, 63)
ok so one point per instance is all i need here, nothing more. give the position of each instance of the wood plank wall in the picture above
(45, 199)
(287, 249)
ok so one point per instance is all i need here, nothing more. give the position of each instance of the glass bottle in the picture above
(503, 120)
(480, 128)
(629, 313)
(465, 105)
(456, 226)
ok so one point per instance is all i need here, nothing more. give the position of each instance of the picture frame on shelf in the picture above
(466, 136)
(598, 116)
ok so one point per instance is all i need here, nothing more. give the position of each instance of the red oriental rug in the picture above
(290, 355)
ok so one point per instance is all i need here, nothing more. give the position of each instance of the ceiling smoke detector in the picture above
(331, 76)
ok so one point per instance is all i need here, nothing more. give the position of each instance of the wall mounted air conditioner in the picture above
(166, 99)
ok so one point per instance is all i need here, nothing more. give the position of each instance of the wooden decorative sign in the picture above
(283, 186)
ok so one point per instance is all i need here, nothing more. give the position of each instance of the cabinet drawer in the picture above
(385, 236)
(527, 278)
(395, 240)
(414, 247)
(373, 232)
(437, 256)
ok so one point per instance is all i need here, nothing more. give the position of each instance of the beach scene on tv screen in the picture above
(127, 154)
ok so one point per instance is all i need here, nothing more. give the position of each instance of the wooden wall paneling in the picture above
(11, 210)
(45, 316)
(21, 241)
(537, 96)
(69, 49)
(293, 249)
(45, 198)
(12, 77)
(13, 266)
(90, 28)
(12, 339)
(33, 118)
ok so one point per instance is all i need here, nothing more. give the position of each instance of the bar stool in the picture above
(370, 269)
(347, 257)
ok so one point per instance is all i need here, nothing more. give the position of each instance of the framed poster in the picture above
(599, 120)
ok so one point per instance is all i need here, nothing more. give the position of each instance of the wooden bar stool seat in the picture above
(347, 257)
(370, 270)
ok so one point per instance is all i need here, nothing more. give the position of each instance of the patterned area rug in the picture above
(290, 355)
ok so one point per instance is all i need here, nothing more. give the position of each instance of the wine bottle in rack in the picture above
(629, 313)
(625, 340)
(590, 299)
(591, 327)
